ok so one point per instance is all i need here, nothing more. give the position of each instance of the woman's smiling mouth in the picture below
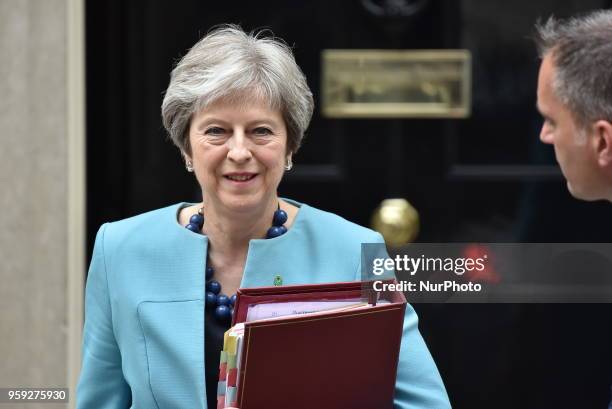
(240, 177)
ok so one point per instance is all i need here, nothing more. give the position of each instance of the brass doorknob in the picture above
(397, 220)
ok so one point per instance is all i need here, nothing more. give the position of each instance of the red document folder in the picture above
(336, 360)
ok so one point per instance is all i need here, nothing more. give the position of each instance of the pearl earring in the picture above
(289, 164)
(189, 166)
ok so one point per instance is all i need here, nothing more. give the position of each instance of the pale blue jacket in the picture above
(143, 342)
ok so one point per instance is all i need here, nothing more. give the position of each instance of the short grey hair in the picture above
(581, 48)
(228, 63)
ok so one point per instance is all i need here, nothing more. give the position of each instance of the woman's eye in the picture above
(215, 131)
(262, 131)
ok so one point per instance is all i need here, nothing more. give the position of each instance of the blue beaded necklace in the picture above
(222, 304)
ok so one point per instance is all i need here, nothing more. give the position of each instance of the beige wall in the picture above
(41, 177)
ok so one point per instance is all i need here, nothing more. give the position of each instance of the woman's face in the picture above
(238, 153)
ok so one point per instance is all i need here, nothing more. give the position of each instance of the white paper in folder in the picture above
(282, 309)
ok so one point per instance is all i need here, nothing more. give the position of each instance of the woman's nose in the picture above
(239, 149)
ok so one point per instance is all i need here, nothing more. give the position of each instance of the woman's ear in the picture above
(289, 162)
(188, 161)
(603, 144)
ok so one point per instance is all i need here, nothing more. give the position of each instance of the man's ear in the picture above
(603, 143)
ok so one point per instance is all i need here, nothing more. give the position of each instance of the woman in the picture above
(159, 294)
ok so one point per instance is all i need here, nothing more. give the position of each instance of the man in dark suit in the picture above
(575, 99)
